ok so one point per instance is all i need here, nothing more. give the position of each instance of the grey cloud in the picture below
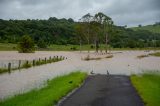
(123, 12)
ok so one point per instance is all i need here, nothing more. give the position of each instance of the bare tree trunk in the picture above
(80, 44)
(88, 45)
(106, 42)
(96, 45)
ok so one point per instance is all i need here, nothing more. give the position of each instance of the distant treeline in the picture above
(63, 31)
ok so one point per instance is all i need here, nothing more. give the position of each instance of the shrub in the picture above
(26, 45)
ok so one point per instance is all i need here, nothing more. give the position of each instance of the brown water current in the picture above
(19, 81)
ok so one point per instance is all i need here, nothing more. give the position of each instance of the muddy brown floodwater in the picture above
(123, 62)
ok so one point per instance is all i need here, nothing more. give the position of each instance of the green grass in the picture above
(49, 95)
(2, 70)
(7, 47)
(151, 28)
(53, 47)
(148, 86)
(70, 47)
(155, 54)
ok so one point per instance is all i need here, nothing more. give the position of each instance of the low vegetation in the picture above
(2, 70)
(26, 45)
(28, 64)
(142, 56)
(8, 47)
(155, 54)
(148, 86)
(50, 94)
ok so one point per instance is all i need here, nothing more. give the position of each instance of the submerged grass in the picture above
(148, 86)
(28, 64)
(2, 70)
(155, 54)
(49, 95)
(142, 56)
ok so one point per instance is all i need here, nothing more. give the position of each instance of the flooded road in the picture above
(123, 62)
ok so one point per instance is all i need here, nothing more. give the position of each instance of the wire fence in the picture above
(19, 64)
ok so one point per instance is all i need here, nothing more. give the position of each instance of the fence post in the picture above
(19, 65)
(27, 62)
(33, 63)
(45, 60)
(9, 67)
(57, 58)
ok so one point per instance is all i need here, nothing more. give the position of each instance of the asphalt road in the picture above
(103, 90)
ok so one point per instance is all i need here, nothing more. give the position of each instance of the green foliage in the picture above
(54, 90)
(26, 45)
(148, 86)
(50, 31)
(41, 44)
(88, 31)
(152, 28)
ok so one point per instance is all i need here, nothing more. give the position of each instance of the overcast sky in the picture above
(123, 12)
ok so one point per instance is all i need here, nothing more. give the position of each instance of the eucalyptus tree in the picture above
(106, 24)
(85, 22)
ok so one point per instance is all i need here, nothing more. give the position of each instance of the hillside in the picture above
(151, 28)
(66, 31)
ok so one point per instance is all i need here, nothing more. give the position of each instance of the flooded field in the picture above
(19, 81)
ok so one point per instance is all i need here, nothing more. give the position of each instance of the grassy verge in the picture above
(54, 47)
(148, 86)
(7, 47)
(49, 95)
(155, 54)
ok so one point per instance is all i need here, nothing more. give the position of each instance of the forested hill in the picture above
(152, 28)
(63, 31)
(51, 31)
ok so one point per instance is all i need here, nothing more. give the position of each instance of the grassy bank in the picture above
(49, 95)
(53, 47)
(7, 47)
(148, 86)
